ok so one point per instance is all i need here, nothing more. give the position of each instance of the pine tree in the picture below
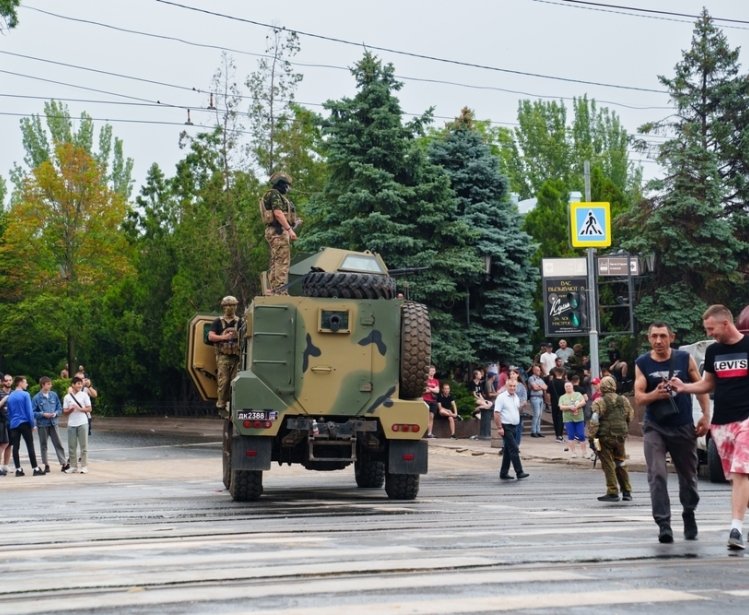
(688, 223)
(501, 314)
(383, 194)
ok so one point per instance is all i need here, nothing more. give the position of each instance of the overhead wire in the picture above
(411, 53)
(317, 65)
(147, 102)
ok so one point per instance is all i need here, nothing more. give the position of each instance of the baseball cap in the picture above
(595, 381)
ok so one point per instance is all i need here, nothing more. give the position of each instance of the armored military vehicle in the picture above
(330, 376)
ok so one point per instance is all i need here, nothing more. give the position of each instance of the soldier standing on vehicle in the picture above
(224, 335)
(609, 425)
(279, 216)
(727, 373)
(669, 428)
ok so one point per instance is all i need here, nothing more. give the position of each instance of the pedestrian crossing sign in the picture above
(590, 224)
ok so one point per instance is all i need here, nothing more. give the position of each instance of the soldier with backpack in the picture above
(279, 215)
(609, 425)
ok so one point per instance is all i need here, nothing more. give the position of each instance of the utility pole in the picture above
(595, 367)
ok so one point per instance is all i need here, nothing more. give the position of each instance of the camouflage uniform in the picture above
(279, 241)
(227, 357)
(614, 415)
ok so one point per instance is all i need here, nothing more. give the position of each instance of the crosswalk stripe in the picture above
(138, 596)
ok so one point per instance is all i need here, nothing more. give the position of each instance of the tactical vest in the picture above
(266, 208)
(614, 422)
(232, 347)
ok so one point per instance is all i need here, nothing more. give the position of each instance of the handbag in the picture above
(661, 411)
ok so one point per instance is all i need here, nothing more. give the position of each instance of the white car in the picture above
(706, 451)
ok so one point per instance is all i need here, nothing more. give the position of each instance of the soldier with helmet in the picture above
(224, 335)
(609, 425)
(279, 215)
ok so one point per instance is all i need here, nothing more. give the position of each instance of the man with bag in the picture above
(669, 428)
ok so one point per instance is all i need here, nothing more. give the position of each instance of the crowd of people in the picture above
(21, 415)
(596, 409)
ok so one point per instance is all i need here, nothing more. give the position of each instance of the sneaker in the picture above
(690, 526)
(735, 541)
(574, 455)
(665, 535)
(46, 469)
(560, 439)
(609, 497)
(20, 472)
(523, 475)
(65, 468)
(84, 470)
(506, 477)
(430, 435)
(38, 472)
(453, 437)
(626, 496)
(3, 472)
(540, 435)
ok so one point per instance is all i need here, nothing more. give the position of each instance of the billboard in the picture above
(566, 306)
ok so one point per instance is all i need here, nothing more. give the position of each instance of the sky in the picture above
(145, 62)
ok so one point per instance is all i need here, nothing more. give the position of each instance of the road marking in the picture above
(143, 597)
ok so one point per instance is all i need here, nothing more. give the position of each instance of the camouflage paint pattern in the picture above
(298, 363)
(280, 258)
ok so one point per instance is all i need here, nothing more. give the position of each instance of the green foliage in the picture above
(500, 310)
(8, 12)
(678, 305)
(40, 143)
(272, 89)
(692, 221)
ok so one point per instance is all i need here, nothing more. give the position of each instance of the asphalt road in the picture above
(151, 530)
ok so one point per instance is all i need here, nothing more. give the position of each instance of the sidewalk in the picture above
(544, 450)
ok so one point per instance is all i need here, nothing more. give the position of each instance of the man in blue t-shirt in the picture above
(727, 373)
(669, 428)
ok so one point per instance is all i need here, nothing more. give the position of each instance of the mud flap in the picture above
(407, 457)
(251, 453)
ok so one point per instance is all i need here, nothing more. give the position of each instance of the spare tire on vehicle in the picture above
(348, 285)
(416, 349)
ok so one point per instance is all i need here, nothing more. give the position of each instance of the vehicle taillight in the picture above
(406, 427)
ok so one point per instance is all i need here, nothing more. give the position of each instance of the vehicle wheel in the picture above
(228, 429)
(246, 485)
(416, 349)
(369, 474)
(348, 285)
(402, 486)
(714, 467)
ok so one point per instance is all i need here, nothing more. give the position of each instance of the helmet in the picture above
(280, 177)
(608, 385)
(229, 300)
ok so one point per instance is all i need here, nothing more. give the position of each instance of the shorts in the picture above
(732, 442)
(4, 434)
(575, 430)
(433, 407)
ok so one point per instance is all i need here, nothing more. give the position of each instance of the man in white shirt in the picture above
(77, 405)
(507, 418)
(547, 359)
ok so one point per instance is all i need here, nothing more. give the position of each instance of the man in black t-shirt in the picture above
(447, 407)
(727, 373)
